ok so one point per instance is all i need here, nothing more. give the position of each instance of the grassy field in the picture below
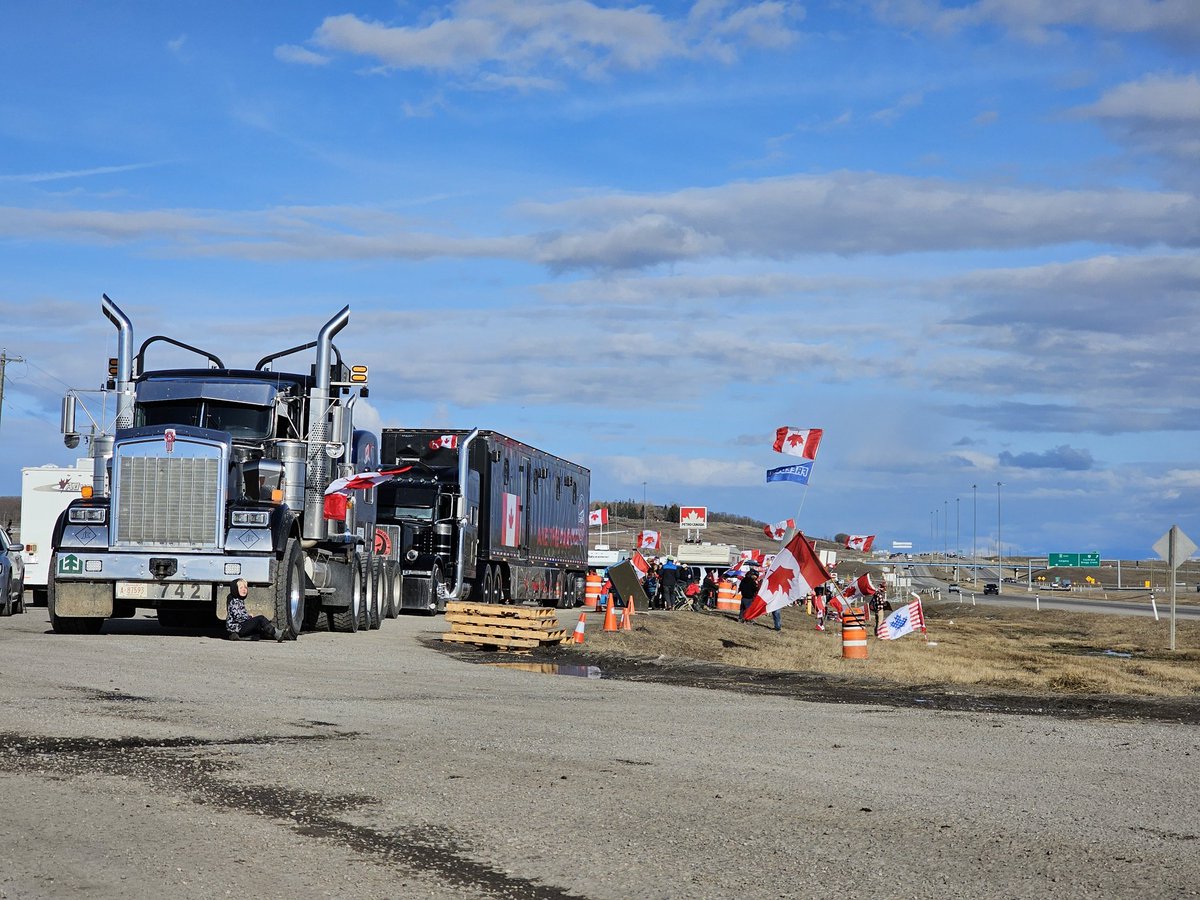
(975, 649)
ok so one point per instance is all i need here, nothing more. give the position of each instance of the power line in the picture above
(5, 359)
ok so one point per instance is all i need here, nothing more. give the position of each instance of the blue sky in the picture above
(959, 237)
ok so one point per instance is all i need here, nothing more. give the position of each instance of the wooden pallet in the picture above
(507, 627)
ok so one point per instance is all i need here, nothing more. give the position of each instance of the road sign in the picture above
(901, 545)
(1081, 560)
(1174, 547)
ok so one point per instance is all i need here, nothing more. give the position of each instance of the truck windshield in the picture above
(406, 502)
(242, 422)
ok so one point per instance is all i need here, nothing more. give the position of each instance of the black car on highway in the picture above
(991, 588)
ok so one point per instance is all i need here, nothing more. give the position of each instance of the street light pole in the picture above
(945, 527)
(932, 548)
(999, 546)
(974, 533)
(957, 537)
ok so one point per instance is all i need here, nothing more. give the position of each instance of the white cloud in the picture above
(290, 53)
(686, 471)
(1172, 21)
(1162, 99)
(519, 43)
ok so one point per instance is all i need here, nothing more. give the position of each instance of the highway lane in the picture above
(1017, 596)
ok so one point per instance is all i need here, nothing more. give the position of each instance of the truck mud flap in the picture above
(83, 599)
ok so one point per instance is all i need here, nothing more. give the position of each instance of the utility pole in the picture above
(5, 359)
(999, 546)
(974, 534)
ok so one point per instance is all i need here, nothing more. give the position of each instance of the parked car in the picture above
(991, 588)
(12, 576)
(954, 588)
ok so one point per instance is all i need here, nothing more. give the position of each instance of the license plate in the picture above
(164, 590)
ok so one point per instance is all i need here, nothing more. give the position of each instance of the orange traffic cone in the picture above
(579, 627)
(610, 617)
(629, 608)
(627, 619)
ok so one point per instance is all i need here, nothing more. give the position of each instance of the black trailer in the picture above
(482, 516)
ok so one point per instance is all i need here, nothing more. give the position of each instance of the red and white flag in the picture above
(798, 442)
(860, 589)
(755, 556)
(861, 542)
(447, 441)
(902, 621)
(362, 481)
(598, 517)
(795, 572)
(640, 565)
(779, 529)
(511, 532)
(649, 540)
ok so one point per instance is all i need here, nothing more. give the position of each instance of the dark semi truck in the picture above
(484, 517)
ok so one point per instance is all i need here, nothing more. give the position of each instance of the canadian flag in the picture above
(598, 517)
(751, 556)
(511, 532)
(640, 565)
(798, 442)
(861, 542)
(649, 540)
(362, 481)
(862, 587)
(795, 572)
(446, 441)
(779, 529)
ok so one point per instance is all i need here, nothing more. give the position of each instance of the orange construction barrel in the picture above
(854, 633)
(591, 596)
(727, 597)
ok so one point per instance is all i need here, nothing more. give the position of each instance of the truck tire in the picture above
(368, 595)
(378, 588)
(434, 603)
(395, 592)
(346, 620)
(289, 591)
(70, 624)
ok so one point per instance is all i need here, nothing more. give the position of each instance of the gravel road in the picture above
(142, 763)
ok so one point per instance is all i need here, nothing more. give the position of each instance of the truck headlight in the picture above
(87, 515)
(251, 518)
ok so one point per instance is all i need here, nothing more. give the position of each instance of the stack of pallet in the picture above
(507, 627)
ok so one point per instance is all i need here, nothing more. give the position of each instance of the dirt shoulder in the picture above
(980, 659)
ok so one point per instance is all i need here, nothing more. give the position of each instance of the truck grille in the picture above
(168, 501)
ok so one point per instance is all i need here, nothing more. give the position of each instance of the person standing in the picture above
(670, 579)
(748, 588)
(239, 624)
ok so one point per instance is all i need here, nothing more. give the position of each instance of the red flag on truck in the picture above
(362, 481)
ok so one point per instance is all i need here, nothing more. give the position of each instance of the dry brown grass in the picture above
(972, 648)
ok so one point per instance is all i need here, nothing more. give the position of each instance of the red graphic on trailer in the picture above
(511, 529)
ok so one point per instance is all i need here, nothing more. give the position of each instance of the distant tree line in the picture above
(632, 509)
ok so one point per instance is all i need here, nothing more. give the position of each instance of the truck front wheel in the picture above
(289, 591)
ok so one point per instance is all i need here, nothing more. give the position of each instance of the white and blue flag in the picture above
(798, 473)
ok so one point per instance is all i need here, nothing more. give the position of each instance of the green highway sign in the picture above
(1078, 560)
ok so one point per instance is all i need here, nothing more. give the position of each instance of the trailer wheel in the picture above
(378, 587)
(395, 588)
(289, 591)
(346, 620)
(70, 624)
(497, 584)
